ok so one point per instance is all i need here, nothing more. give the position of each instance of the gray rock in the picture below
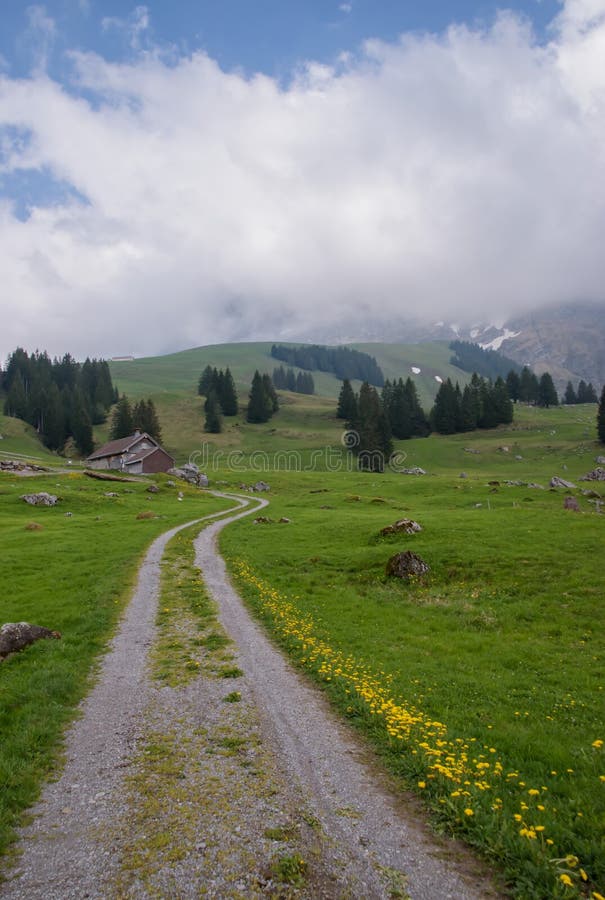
(153, 489)
(111, 494)
(261, 486)
(597, 474)
(284, 520)
(415, 470)
(555, 482)
(406, 565)
(40, 499)
(17, 635)
(262, 520)
(463, 475)
(191, 474)
(571, 503)
(402, 526)
(600, 460)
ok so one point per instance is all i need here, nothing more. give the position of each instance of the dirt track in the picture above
(240, 783)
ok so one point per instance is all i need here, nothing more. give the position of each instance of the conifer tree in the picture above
(570, 395)
(213, 421)
(347, 404)
(270, 392)
(547, 394)
(528, 390)
(145, 418)
(206, 382)
(260, 405)
(445, 415)
(601, 417)
(81, 426)
(513, 384)
(122, 423)
(228, 395)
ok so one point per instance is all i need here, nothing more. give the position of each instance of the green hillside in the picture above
(177, 373)
(20, 440)
(303, 422)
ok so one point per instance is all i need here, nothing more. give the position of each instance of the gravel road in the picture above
(237, 791)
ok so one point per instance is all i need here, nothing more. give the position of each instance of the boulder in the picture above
(402, 526)
(261, 486)
(594, 495)
(153, 489)
(40, 499)
(17, 635)
(571, 503)
(415, 470)
(284, 520)
(556, 482)
(191, 474)
(262, 520)
(597, 474)
(463, 475)
(406, 565)
(600, 460)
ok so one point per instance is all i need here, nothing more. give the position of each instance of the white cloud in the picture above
(39, 36)
(452, 176)
(134, 27)
(346, 7)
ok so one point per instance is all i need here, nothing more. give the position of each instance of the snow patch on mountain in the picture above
(498, 341)
(415, 370)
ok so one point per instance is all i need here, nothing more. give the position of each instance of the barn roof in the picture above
(123, 445)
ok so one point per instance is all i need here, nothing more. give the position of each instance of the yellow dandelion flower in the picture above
(469, 812)
(422, 784)
(566, 880)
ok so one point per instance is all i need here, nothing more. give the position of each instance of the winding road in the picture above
(373, 840)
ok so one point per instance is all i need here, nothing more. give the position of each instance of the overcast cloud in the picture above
(454, 176)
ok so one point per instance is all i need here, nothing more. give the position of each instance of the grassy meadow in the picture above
(482, 684)
(72, 574)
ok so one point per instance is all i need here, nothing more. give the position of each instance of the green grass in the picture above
(73, 576)
(20, 440)
(498, 653)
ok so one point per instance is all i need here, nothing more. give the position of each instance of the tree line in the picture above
(344, 362)
(473, 358)
(61, 398)
(219, 390)
(289, 380)
(482, 403)
(585, 393)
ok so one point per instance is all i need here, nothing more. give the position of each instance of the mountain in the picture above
(568, 341)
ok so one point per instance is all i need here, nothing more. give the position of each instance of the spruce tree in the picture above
(228, 394)
(206, 382)
(213, 421)
(270, 392)
(347, 404)
(372, 426)
(81, 426)
(547, 394)
(601, 417)
(260, 406)
(446, 414)
(122, 423)
(513, 383)
(145, 418)
(570, 395)
(528, 391)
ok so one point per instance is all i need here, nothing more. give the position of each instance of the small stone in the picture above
(571, 503)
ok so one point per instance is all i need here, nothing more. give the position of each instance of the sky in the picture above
(174, 173)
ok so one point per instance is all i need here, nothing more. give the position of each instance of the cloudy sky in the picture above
(181, 173)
